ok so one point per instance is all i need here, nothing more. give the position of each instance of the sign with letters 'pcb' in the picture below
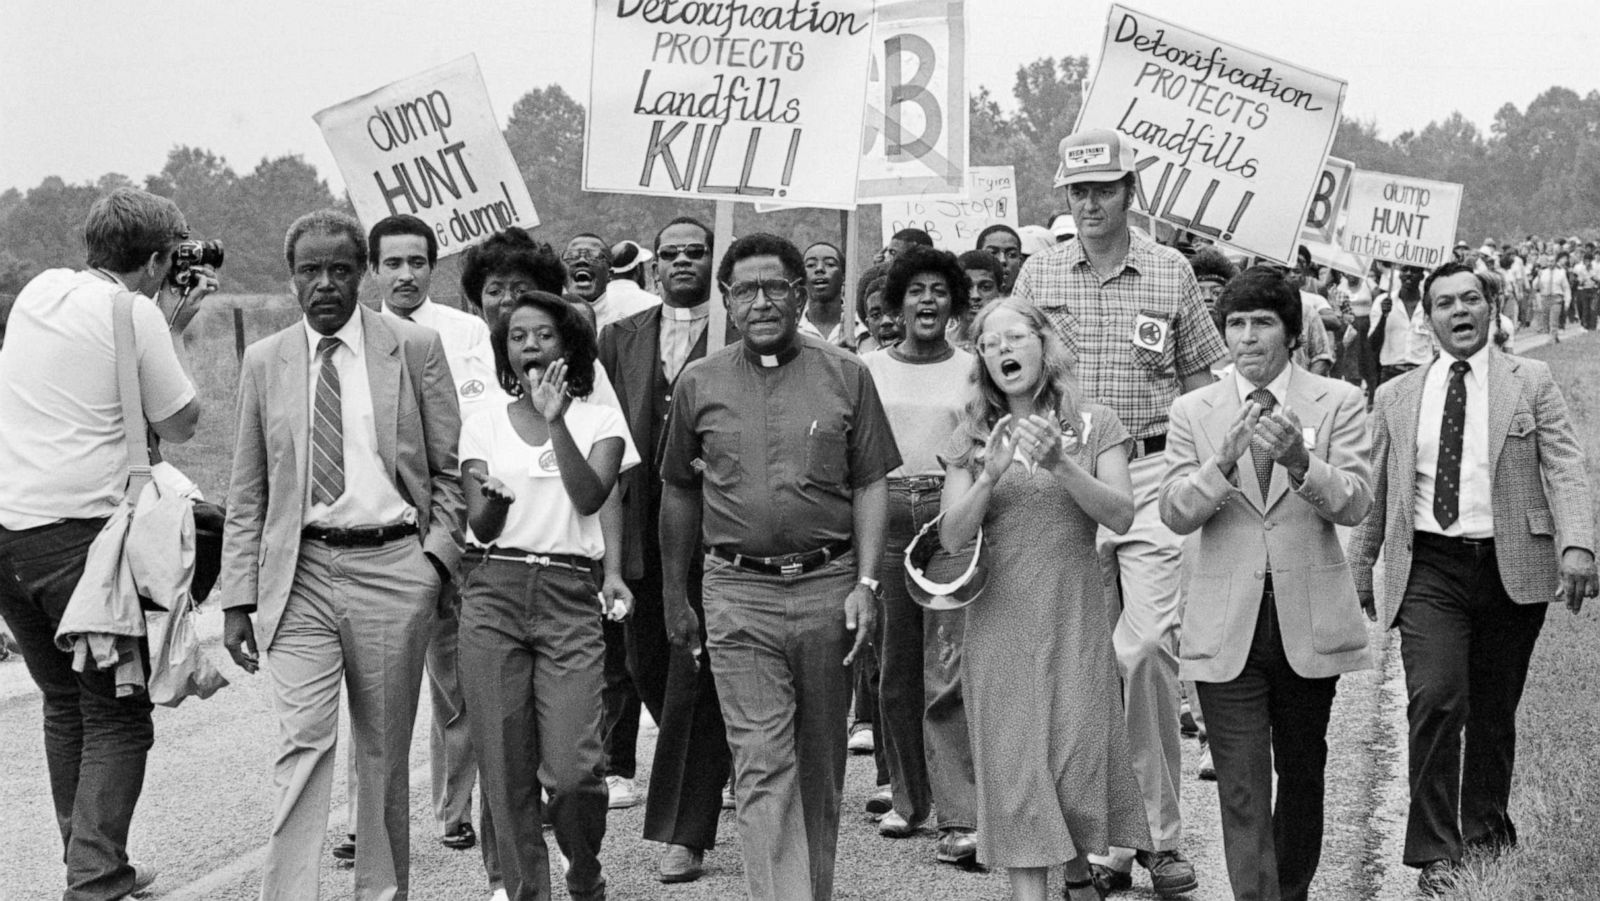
(954, 223)
(724, 100)
(430, 146)
(915, 143)
(1229, 143)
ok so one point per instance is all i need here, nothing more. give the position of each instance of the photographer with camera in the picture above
(63, 468)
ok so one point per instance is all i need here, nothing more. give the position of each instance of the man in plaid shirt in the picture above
(1131, 314)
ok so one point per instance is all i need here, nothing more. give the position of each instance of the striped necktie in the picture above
(327, 429)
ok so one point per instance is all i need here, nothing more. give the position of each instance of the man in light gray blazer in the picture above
(1483, 513)
(344, 515)
(1265, 463)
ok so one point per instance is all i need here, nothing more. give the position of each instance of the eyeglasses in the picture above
(777, 290)
(992, 343)
(669, 252)
(583, 254)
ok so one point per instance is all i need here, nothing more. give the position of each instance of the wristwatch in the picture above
(872, 584)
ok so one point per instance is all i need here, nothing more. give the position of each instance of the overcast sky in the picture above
(88, 88)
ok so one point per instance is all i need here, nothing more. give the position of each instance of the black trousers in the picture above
(692, 759)
(621, 701)
(95, 743)
(1465, 647)
(1269, 718)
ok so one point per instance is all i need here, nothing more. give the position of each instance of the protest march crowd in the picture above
(954, 538)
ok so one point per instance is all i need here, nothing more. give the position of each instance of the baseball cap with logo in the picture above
(1098, 154)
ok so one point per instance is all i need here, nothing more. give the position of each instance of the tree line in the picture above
(1536, 171)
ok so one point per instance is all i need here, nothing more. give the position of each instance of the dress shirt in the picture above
(1476, 519)
(1405, 340)
(1133, 333)
(370, 497)
(1279, 386)
(778, 444)
(681, 327)
(466, 348)
(835, 335)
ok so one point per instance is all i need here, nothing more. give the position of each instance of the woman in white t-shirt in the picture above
(922, 721)
(536, 472)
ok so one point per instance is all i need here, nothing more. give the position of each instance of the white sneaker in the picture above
(1206, 770)
(622, 791)
(728, 800)
(499, 895)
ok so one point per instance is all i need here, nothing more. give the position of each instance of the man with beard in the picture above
(647, 352)
(588, 262)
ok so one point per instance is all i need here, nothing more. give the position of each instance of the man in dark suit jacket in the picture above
(645, 353)
(344, 520)
(1481, 507)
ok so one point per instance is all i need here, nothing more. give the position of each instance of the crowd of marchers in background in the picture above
(951, 530)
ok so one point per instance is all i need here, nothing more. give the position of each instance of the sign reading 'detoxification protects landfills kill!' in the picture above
(1229, 143)
(429, 145)
(738, 100)
(915, 141)
(1411, 221)
(955, 222)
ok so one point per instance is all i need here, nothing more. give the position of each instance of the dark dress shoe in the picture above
(1436, 878)
(345, 850)
(680, 863)
(1170, 872)
(1108, 880)
(460, 838)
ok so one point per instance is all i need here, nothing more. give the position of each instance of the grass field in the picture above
(1555, 799)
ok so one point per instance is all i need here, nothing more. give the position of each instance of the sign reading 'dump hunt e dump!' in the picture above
(1229, 143)
(429, 145)
(738, 100)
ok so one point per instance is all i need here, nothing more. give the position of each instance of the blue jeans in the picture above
(922, 720)
(95, 743)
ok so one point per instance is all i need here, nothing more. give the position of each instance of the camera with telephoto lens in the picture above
(193, 253)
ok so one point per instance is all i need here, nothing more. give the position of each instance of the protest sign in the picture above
(429, 145)
(915, 141)
(1326, 211)
(990, 198)
(1229, 142)
(728, 101)
(1411, 221)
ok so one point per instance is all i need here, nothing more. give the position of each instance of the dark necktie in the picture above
(1452, 432)
(327, 429)
(1258, 451)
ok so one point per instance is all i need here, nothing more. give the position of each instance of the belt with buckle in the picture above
(360, 537)
(917, 483)
(518, 555)
(785, 564)
(1447, 541)
(1144, 447)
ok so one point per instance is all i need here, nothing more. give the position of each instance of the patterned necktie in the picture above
(1452, 432)
(1258, 451)
(327, 430)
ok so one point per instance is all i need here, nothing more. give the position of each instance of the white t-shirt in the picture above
(62, 450)
(542, 518)
(923, 402)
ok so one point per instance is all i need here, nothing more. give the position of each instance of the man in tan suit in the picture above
(344, 517)
(1265, 463)
(1482, 510)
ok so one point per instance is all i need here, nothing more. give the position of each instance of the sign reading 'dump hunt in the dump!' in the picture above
(430, 145)
(1229, 142)
(1410, 221)
(738, 100)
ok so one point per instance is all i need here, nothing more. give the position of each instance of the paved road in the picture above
(207, 805)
